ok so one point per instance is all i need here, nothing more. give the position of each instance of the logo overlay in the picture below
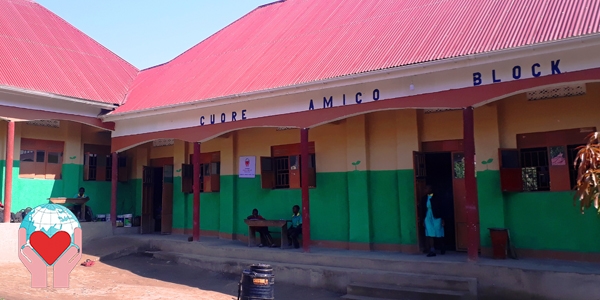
(50, 235)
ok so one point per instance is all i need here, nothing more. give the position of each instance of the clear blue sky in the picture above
(150, 32)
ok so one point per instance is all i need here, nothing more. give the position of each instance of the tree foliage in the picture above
(587, 164)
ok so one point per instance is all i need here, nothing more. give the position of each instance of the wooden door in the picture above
(147, 221)
(167, 200)
(420, 183)
(460, 200)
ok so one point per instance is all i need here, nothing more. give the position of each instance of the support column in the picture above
(196, 206)
(305, 196)
(10, 151)
(470, 185)
(114, 180)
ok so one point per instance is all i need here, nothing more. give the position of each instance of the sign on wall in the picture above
(247, 167)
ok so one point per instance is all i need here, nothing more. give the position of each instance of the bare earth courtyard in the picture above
(140, 277)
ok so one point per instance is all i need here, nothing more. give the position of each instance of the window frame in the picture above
(560, 175)
(43, 169)
(210, 173)
(101, 168)
(273, 176)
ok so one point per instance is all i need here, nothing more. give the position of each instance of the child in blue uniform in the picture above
(296, 228)
(433, 221)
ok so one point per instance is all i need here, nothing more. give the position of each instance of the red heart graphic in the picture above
(50, 248)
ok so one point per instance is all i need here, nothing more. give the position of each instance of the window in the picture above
(535, 174)
(282, 170)
(97, 164)
(542, 161)
(41, 159)
(210, 174)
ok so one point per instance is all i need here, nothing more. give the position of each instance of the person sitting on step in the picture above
(265, 236)
(296, 228)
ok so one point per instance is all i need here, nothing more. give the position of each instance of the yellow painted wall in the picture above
(516, 115)
(328, 138)
(439, 126)
(392, 138)
(161, 152)
(407, 137)
(487, 139)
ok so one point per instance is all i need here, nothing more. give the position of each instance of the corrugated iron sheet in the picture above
(40, 51)
(299, 41)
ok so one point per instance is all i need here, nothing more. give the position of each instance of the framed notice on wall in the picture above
(247, 167)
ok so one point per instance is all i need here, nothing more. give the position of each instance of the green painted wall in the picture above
(491, 204)
(330, 209)
(384, 204)
(408, 217)
(33, 192)
(549, 221)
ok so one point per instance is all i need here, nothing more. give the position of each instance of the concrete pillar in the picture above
(471, 185)
(196, 212)
(305, 194)
(113, 196)
(8, 173)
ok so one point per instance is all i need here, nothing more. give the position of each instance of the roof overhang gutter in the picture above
(398, 72)
(101, 105)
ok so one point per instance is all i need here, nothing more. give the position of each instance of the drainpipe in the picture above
(10, 151)
(305, 196)
(471, 186)
(196, 220)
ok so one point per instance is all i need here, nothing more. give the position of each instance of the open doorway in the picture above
(157, 191)
(439, 176)
(441, 164)
(157, 197)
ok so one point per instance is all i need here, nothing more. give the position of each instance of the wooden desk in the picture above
(76, 201)
(252, 224)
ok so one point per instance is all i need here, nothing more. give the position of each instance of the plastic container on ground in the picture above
(499, 238)
(127, 220)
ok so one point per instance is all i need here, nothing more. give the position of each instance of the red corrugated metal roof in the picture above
(39, 51)
(300, 41)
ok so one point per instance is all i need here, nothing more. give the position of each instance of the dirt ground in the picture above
(141, 277)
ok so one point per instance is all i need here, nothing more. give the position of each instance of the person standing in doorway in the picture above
(433, 221)
(296, 228)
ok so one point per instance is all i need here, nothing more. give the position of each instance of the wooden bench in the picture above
(281, 224)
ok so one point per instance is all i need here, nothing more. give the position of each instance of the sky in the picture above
(150, 32)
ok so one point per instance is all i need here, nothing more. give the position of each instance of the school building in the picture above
(347, 108)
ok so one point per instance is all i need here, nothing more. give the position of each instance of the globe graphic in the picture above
(50, 219)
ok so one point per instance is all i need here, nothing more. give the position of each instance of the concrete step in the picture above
(353, 297)
(333, 278)
(402, 292)
(420, 265)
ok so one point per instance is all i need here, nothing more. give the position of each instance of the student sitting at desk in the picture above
(296, 228)
(77, 208)
(265, 236)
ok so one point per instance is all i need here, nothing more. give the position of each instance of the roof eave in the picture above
(397, 72)
(98, 104)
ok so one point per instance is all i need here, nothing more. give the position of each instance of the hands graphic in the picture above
(38, 268)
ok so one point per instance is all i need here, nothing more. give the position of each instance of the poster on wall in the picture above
(247, 167)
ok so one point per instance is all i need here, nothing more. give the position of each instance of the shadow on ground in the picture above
(167, 271)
